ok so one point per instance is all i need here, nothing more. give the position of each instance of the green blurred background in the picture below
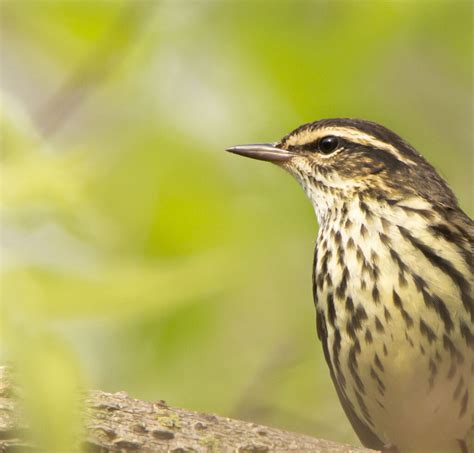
(137, 255)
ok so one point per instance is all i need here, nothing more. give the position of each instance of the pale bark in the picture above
(115, 422)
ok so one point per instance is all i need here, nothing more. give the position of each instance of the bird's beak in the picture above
(262, 151)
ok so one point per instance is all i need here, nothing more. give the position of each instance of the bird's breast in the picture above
(397, 324)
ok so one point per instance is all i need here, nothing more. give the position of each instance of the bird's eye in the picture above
(328, 144)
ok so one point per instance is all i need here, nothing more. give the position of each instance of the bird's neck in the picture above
(366, 218)
(328, 193)
(330, 202)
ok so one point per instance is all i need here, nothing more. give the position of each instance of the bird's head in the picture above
(342, 158)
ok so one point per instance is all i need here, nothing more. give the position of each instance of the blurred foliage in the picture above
(136, 254)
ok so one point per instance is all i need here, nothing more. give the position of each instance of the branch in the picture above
(114, 422)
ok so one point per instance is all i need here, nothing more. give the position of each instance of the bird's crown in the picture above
(347, 133)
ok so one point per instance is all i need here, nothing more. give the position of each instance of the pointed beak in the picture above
(262, 151)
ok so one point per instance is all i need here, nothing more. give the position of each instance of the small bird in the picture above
(392, 283)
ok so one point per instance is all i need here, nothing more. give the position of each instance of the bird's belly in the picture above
(406, 370)
(409, 404)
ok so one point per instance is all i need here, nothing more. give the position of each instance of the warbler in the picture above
(392, 283)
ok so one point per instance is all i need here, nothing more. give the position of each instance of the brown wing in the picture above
(459, 231)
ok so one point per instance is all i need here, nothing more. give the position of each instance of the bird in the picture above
(392, 283)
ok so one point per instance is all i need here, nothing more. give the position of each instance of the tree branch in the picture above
(114, 422)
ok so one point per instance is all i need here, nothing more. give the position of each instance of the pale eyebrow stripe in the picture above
(349, 133)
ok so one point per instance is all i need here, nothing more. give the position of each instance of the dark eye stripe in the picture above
(388, 157)
(311, 146)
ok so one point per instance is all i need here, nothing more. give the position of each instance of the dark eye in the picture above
(328, 144)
